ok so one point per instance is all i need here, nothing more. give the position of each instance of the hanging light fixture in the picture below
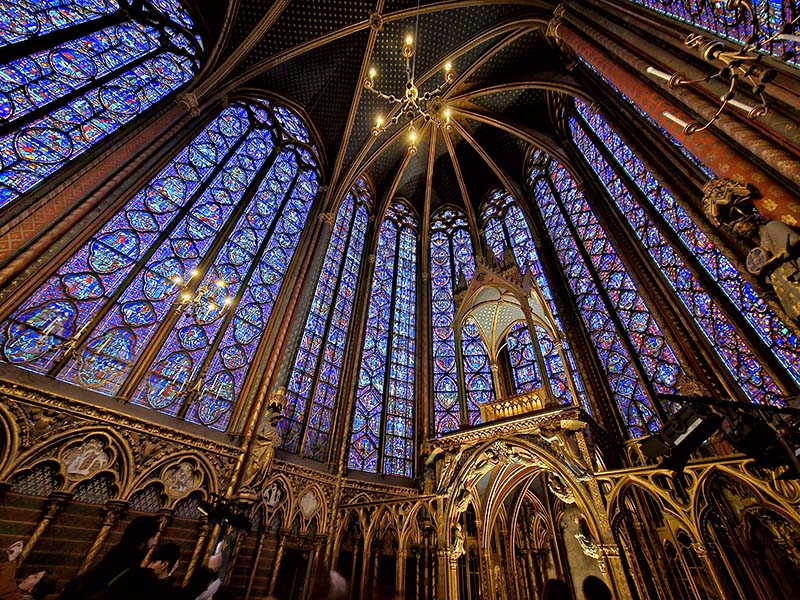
(737, 68)
(412, 104)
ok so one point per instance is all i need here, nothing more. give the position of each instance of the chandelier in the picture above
(413, 104)
(736, 68)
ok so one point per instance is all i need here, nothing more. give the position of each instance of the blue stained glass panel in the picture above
(312, 388)
(108, 257)
(197, 327)
(383, 410)
(96, 82)
(625, 382)
(478, 383)
(230, 364)
(155, 283)
(44, 145)
(522, 353)
(717, 328)
(23, 19)
(452, 264)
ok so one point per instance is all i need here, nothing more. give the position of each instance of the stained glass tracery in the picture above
(313, 384)
(192, 263)
(735, 354)
(383, 414)
(634, 353)
(55, 103)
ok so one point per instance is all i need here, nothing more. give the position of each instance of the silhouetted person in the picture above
(151, 582)
(138, 538)
(595, 588)
(555, 589)
(34, 587)
(202, 585)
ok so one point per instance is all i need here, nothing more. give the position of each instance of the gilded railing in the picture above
(514, 406)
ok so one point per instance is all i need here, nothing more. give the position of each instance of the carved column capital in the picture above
(328, 218)
(191, 102)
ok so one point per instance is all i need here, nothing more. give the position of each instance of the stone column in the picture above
(164, 517)
(444, 583)
(254, 565)
(112, 511)
(400, 573)
(276, 565)
(452, 576)
(353, 568)
(704, 554)
(202, 535)
(52, 506)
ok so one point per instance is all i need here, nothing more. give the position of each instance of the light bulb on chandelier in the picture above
(411, 105)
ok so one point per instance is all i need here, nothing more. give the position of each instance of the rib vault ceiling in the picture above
(315, 54)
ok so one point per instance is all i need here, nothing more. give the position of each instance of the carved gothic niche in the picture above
(177, 482)
(310, 505)
(274, 495)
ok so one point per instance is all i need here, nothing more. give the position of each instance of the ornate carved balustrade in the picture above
(514, 406)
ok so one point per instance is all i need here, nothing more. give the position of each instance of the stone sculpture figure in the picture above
(778, 258)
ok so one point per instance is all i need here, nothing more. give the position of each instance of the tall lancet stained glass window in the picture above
(313, 384)
(383, 415)
(166, 303)
(651, 210)
(111, 61)
(453, 266)
(505, 227)
(638, 361)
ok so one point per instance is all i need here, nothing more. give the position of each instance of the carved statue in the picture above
(261, 456)
(486, 461)
(563, 441)
(265, 443)
(560, 489)
(585, 538)
(457, 548)
(461, 499)
(778, 257)
(445, 463)
(729, 205)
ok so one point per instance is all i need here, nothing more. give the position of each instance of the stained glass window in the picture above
(453, 266)
(634, 353)
(56, 102)
(505, 227)
(732, 24)
(312, 389)
(523, 359)
(181, 280)
(478, 383)
(383, 415)
(724, 337)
